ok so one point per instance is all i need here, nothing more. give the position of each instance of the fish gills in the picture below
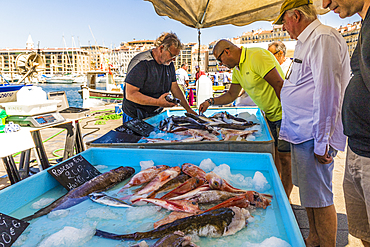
(220, 219)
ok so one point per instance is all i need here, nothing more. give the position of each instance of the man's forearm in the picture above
(142, 99)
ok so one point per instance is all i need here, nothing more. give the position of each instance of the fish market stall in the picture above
(260, 141)
(272, 225)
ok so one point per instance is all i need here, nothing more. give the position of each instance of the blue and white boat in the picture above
(8, 92)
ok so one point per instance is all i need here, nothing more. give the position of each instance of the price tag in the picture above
(73, 172)
(10, 229)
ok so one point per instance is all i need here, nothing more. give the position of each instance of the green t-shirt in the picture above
(254, 64)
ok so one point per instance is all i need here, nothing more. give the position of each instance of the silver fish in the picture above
(102, 198)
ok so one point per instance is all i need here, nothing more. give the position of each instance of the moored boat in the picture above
(8, 92)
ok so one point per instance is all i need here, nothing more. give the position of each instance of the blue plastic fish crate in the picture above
(263, 142)
(276, 221)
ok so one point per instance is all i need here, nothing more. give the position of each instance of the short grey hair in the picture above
(168, 39)
(308, 11)
(279, 46)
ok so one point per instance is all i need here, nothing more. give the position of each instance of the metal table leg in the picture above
(79, 142)
(40, 149)
(11, 169)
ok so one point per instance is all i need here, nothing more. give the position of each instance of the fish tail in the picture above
(103, 234)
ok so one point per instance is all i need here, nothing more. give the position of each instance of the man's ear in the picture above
(297, 15)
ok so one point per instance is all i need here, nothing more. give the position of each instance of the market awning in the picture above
(208, 13)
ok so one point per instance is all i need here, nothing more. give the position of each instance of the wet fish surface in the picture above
(79, 194)
(219, 222)
(102, 198)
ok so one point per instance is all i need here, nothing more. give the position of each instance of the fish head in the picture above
(256, 199)
(215, 181)
(96, 195)
(121, 173)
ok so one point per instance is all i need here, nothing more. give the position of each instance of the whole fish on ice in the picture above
(102, 198)
(215, 223)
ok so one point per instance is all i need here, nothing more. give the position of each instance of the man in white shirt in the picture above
(182, 77)
(311, 98)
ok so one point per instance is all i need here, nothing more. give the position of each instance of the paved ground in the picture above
(89, 125)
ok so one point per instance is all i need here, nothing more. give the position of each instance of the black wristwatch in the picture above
(211, 101)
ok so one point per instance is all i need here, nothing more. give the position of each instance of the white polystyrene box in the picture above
(30, 109)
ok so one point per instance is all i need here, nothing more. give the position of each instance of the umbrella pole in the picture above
(199, 47)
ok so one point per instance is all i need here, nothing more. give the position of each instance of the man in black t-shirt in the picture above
(150, 77)
(356, 123)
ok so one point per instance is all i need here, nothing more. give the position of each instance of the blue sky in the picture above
(111, 22)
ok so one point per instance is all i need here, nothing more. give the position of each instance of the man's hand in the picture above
(324, 159)
(161, 101)
(192, 112)
(203, 107)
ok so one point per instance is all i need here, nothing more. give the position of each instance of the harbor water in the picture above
(73, 96)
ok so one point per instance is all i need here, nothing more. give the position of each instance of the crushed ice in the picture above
(101, 213)
(207, 165)
(69, 236)
(260, 182)
(146, 164)
(272, 242)
(43, 202)
(58, 214)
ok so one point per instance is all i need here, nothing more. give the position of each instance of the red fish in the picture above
(193, 171)
(250, 198)
(178, 205)
(189, 185)
(144, 176)
(161, 178)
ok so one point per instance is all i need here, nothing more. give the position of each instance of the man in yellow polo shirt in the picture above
(257, 71)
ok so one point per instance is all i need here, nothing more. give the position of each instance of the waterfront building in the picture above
(259, 36)
(57, 60)
(350, 34)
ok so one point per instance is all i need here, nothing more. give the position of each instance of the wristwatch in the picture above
(211, 101)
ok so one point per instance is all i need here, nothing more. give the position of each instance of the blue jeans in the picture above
(125, 117)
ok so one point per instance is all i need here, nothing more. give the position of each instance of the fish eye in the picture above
(194, 203)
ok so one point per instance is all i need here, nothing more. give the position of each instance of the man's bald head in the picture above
(222, 45)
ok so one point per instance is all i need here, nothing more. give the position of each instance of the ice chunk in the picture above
(20, 240)
(260, 183)
(101, 167)
(101, 213)
(140, 213)
(237, 180)
(42, 203)
(272, 242)
(69, 236)
(146, 164)
(207, 165)
(58, 214)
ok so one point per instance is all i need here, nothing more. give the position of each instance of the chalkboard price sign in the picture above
(10, 229)
(73, 172)
(139, 126)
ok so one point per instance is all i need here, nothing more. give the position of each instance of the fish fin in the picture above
(103, 234)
